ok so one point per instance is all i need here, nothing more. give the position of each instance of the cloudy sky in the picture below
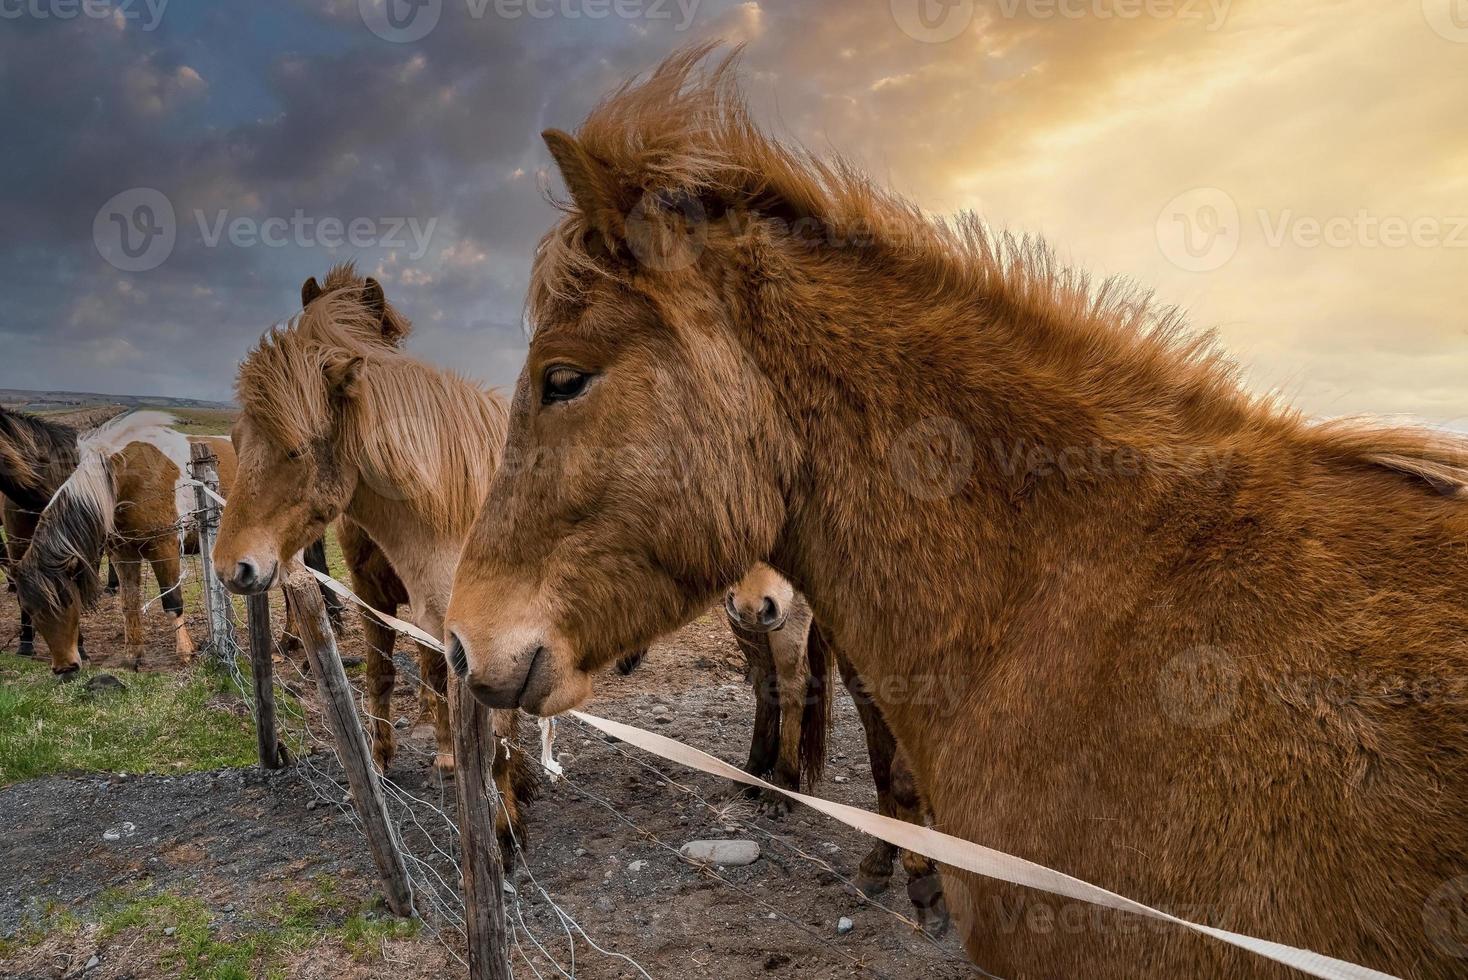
(1295, 172)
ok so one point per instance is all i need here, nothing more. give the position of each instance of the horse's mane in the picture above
(395, 327)
(60, 566)
(36, 455)
(431, 435)
(683, 137)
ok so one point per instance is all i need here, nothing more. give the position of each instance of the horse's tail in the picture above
(815, 721)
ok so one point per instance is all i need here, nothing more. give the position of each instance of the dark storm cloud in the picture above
(280, 147)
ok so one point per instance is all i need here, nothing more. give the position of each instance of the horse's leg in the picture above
(924, 885)
(875, 873)
(15, 546)
(111, 576)
(27, 646)
(130, 582)
(382, 677)
(433, 672)
(315, 557)
(165, 562)
(516, 779)
(787, 649)
(764, 744)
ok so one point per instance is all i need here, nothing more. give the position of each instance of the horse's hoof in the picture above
(383, 750)
(26, 650)
(774, 806)
(872, 885)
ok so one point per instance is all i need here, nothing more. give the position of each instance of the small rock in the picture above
(844, 925)
(93, 962)
(100, 683)
(118, 833)
(581, 852)
(636, 866)
(310, 804)
(838, 779)
(170, 931)
(401, 723)
(227, 909)
(725, 853)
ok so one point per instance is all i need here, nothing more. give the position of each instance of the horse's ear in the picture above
(310, 289)
(373, 299)
(342, 372)
(593, 188)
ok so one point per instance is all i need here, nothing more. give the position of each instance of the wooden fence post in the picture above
(273, 753)
(205, 468)
(484, 893)
(339, 706)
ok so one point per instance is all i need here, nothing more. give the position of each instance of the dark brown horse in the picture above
(1125, 619)
(36, 457)
(790, 665)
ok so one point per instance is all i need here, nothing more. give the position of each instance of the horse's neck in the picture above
(912, 559)
(422, 555)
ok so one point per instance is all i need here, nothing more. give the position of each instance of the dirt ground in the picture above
(602, 847)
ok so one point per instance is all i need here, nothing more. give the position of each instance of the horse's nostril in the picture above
(731, 610)
(768, 611)
(458, 659)
(244, 574)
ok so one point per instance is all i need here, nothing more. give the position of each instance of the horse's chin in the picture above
(570, 692)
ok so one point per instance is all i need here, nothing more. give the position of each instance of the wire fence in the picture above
(424, 827)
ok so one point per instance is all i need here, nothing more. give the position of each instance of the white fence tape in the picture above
(941, 847)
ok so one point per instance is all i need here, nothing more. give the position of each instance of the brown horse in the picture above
(36, 457)
(375, 583)
(1124, 618)
(790, 663)
(124, 497)
(337, 421)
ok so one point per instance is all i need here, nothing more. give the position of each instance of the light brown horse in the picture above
(337, 421)
(790, 664)
(125, 498)
(1124, 618)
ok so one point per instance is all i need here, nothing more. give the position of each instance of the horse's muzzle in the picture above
(248, 578)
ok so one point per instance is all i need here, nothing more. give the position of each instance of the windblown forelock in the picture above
(281, 388)
(343, 276)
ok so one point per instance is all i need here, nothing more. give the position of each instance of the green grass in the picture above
(203, 421)
(161, 723)
(200, 949)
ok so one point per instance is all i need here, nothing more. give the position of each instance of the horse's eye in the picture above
(561, 384)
